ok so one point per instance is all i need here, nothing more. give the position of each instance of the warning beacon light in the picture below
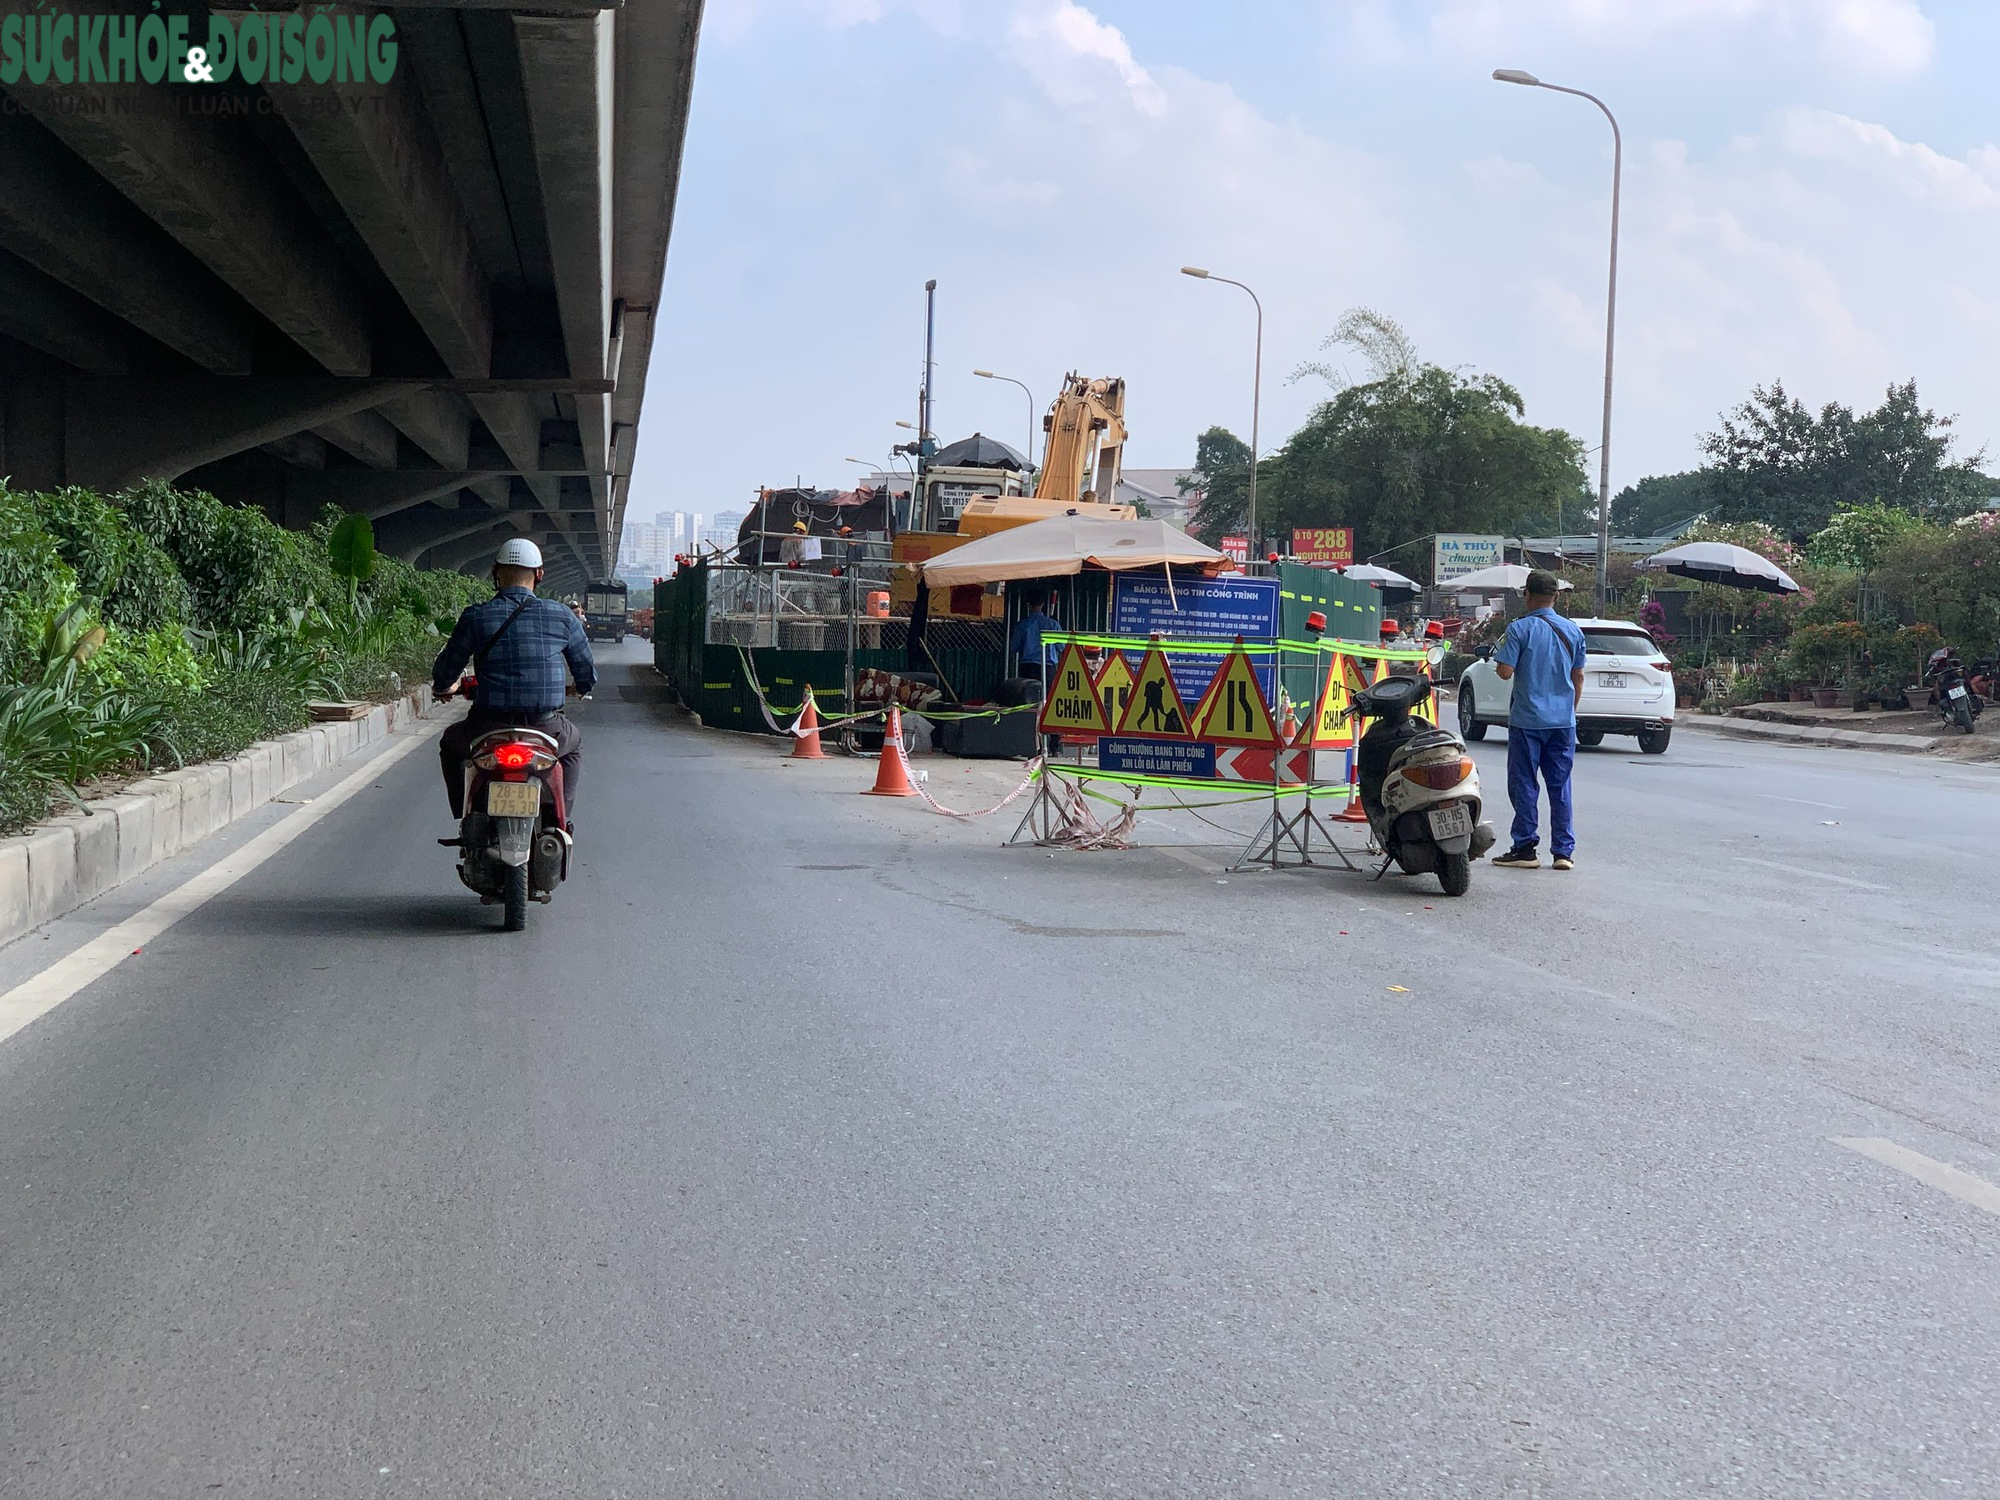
(1316, 623)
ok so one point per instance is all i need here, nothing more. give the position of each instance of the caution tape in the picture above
(1034, 770)
(829, 721)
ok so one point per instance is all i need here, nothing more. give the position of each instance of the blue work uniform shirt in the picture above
(1027, 639)
(1543, 648)
(524, 673)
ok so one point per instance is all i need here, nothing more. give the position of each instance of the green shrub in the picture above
(242, 569)
(233, 713)
(133, 583)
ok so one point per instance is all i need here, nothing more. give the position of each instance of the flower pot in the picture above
(1801, 695)
(1916, 698)
(1826, 697)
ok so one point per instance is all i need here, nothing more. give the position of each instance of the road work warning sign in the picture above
(1234, 712)
(1114, 685)
(1073, 706)
(1154, 707)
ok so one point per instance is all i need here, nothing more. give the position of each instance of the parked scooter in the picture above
(1952, 694)
(1418, 786)
(514, 841)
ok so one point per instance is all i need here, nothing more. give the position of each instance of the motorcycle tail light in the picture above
(1441, 777)
(515, 757)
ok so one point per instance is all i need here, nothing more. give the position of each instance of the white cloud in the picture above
(1888, 37)
(1073, 54)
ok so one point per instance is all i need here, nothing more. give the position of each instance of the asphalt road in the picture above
(816, 1146)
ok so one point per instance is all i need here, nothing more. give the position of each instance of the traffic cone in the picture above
(1353, 812)
(806, 731)
(892, 776)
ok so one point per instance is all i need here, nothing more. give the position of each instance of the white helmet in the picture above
(518, 552)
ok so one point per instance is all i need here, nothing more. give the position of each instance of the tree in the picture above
(1774, 461)
(1659, 501)
(1221, 476)
(1417, 449)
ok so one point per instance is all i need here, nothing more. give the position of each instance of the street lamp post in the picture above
(989, 375)
(1529, 80)
(1256, 395)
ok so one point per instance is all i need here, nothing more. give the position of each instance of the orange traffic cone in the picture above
(892, 776)
(1353, 812)
(1288, 730)
(807, 732)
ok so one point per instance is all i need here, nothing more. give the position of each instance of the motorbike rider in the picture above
(518, 645)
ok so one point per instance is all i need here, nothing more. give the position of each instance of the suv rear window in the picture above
(1618, 643)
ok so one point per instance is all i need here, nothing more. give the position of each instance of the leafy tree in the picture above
(1858, 535)
(1221, 476)
(1772, 460)
(1659, 501)
(1413, 449)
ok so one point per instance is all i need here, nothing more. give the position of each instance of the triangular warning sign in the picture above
(1234, 712)
(1073, 706)
(1155, 706)
(1345, 676)
(1361, 674)
(1114, 686)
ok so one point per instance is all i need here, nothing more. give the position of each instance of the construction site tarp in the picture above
(1065, 544)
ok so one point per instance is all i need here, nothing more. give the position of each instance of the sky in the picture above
(1811, 193)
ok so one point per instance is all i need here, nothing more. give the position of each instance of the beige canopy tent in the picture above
(1062, 545)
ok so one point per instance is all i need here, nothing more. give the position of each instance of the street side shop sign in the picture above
(1329, 546)
(1453, 556)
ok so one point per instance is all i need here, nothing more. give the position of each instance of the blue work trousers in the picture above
(1549, 753)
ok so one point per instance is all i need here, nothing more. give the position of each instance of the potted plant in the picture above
(1821, 653)
(1915, 643)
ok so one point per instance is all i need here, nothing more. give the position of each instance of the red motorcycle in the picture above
(513, 842)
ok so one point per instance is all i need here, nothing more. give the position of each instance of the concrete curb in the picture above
(77, 857)
(1800, 734)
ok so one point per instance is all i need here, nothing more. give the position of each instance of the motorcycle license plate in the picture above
(514, 799)
(1450, 823)
(1611, 679)
(1957, 692)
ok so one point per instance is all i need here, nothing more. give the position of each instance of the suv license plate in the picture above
(1450, 823)
(1611, 679)
(514, 799)
(1957, 692)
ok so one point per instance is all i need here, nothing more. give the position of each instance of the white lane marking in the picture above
(34, 998)
(1961, 1185)
(1859, 885)
(1803, 801)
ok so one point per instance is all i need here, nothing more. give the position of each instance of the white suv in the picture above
(1628, 688)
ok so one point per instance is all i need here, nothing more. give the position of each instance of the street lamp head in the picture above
(984, 374)
(911, 426)
(1516, 75)
(1195, 271)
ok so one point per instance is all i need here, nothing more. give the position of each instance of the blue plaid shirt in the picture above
(524, 673)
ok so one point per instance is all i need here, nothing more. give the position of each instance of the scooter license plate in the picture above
(1450, 823)
(1957, 692)
(514, 799)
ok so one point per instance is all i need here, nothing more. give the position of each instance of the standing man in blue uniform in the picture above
(1543, 657)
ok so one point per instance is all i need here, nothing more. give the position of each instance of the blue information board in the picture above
(1135, 757)
(1208, 609)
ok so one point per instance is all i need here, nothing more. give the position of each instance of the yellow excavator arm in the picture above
(1085, 448)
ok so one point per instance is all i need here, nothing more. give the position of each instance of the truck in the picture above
(604, 614)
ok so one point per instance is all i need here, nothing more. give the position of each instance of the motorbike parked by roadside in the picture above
(1418, 786)
(1951, 692)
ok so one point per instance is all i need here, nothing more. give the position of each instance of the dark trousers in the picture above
(455, 745)
(1551, 753)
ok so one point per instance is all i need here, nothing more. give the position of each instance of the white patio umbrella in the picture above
(1495, 579)
(1724, 563)
(1384, 577)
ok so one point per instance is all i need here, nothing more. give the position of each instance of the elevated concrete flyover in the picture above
(428, 295)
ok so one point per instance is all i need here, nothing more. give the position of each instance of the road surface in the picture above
(815, 1145)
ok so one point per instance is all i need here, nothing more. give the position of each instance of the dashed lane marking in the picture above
(34, 998)
(1961, 1185)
